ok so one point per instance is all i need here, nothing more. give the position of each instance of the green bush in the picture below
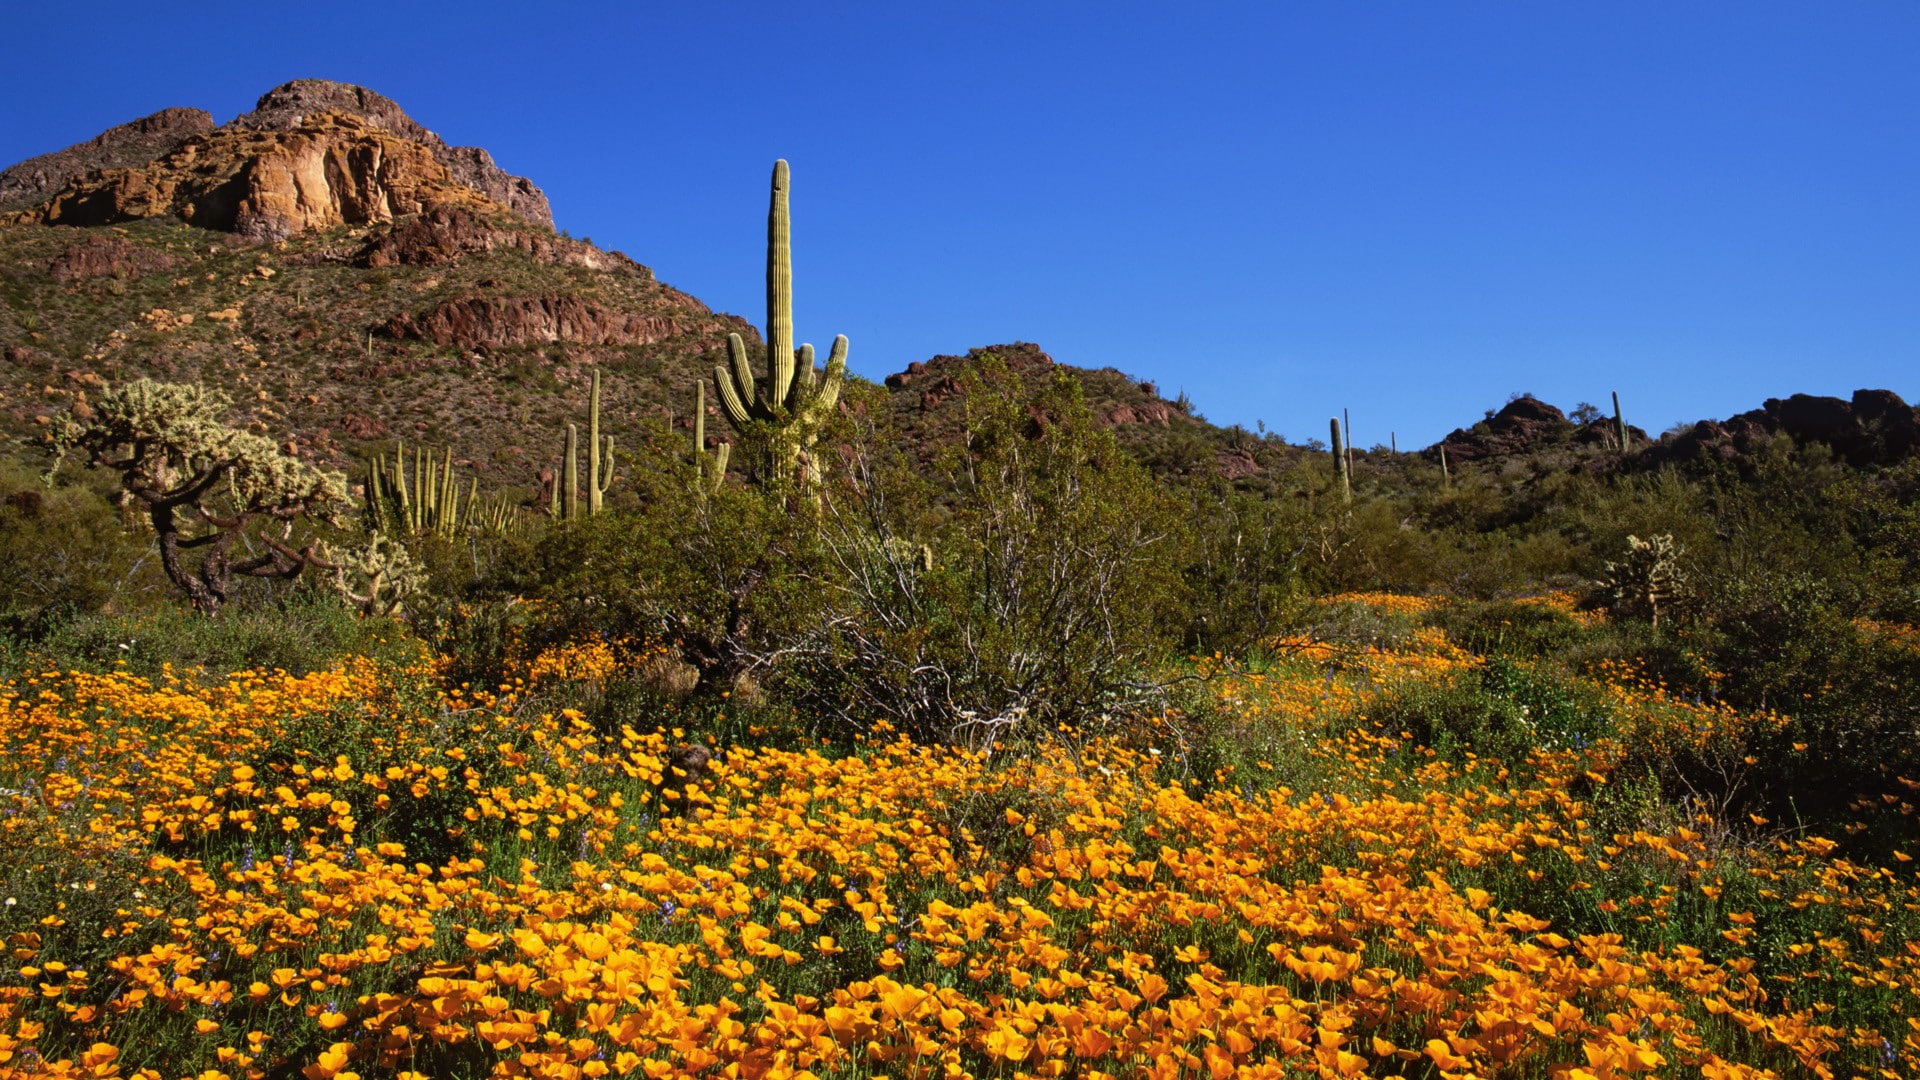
(1040, 595)
(64, 551)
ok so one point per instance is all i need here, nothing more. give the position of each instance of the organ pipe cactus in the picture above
(427, 502)
(1341, 464)
(781, 416)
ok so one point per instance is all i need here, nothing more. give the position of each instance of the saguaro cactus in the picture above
(705, 471)
(566, 492)
(782, 416)
(597, 481)
(570, 475)
(1341, 464)
(1619, 424)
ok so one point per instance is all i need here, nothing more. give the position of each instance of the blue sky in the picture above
(1410, 210)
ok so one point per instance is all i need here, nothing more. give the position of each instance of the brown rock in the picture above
(478, 321)
(333, 169)
(1522, 424)
(287, 107)
(362, 426)
(447, 235)
(128, 146)
(106, 256)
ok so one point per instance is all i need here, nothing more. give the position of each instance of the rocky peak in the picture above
(287, 106)
(333, 169)
(127, 146)
(1523, 424)
(311, 154)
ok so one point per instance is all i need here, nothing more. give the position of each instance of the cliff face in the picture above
(286, 107)
(333, 169)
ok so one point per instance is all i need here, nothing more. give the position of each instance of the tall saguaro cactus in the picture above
(1619, 424)
(783, 415)
(598, 480)
(570, 475)
(1341, 463)
(566, 492)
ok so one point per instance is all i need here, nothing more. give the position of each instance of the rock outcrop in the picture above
(107, 256)
(1876, 427)
(334, 169)
(286, 107)
(127, 146)
(446, 235)
(489, 321)
(310, 155)
(1527, 424)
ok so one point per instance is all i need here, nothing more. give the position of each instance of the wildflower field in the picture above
(1304, 869)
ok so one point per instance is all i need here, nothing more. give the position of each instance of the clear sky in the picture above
(1410, 210)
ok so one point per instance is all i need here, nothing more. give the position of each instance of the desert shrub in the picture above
(1040, 596)
(1509, 627)
(1504, 710)
(1792, 643)
(64, 551)
(728, 578)
(1245, 558)
(303, 631)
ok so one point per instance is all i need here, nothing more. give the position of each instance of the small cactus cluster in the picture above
(428, 501)
(566, 495)
(1649, 582)
(782, 415)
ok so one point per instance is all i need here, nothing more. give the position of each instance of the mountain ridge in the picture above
(351, 279)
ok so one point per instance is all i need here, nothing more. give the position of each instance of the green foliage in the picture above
(1246, 558)
(1505, 711)
(725, 578)
(65, 551)
(303, 631)
(1056, 577)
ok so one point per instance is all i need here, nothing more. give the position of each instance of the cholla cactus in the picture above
(1649, 582)
(205, 486)
(377, 577)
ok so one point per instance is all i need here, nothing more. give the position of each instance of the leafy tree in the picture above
(216, 497)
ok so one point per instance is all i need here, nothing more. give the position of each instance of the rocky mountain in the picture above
(345, 274)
